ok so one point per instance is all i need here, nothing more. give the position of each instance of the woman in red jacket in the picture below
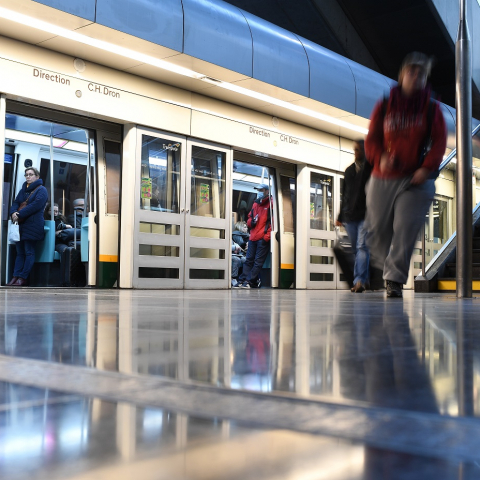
(402, 184)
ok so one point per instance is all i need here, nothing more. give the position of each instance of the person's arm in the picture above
(346, 178)
(374, 142)
(15, 205)
(434, 157)
(250, 220)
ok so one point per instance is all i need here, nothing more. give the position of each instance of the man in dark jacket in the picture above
(352, 213)
(260, 225)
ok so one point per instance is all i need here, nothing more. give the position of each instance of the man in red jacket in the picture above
(260, 224)
(402, 184)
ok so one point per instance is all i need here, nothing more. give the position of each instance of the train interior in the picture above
(61, 154)
(246, 177)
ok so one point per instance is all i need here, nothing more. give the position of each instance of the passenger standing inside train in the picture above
(27, 209)
(405, 145)
(352, 213)
(259, 222)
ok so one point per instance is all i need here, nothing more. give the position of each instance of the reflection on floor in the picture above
(418, 357)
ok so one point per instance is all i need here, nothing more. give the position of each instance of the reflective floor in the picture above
(419, 355)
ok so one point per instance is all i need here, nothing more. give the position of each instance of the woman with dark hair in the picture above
(405, 144)
(27, 209)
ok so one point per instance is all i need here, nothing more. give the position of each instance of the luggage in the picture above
(72, 271)
(346, 259)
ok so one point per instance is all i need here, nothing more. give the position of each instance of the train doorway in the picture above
(249, 171)
(182, 231)
(79, 161)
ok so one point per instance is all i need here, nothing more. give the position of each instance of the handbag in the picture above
(14, 233)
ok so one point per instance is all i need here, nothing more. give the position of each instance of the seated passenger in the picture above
(63, 231)
(238, 259)
(78, 206)
(240, 234)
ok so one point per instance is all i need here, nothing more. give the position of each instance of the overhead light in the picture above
(164, 65)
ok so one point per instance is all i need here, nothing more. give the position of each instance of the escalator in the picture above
(440, 273)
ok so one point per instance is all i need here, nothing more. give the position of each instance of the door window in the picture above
(160, 175)
(321, 202)
(208, 183)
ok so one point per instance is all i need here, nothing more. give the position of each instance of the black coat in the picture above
(31, 216)
(353, 194)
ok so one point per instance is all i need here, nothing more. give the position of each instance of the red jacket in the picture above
(401, 131)
(262, 209)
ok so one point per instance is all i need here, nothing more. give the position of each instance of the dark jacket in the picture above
(240, 238)
(71, 219)
(32, 224)
(353, 193)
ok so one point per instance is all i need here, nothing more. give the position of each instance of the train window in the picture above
(321, 277)
(208, 183)
(321, 260)
(321, 242)
(149, 272)
(287, 184)
(159, 228)
(160, 182)
(321, 202)
(207, 253)
(112, 165)
(207, 232)
(158, 250)
(204, 274)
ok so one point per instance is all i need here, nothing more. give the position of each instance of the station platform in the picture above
(246, 384)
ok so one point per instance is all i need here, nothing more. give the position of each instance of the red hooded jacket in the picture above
(401, 130)
(262, 209)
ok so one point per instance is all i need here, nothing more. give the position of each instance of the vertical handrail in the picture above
(52, 183)
(424, 244)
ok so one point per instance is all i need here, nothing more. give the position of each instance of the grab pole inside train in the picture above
(463, 94)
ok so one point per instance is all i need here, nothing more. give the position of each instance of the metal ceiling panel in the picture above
(370, 86)
(331, 79)
(278, 57)
(218, 33)
(151, 20)
(80, 8)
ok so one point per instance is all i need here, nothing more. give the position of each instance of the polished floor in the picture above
(261, 384)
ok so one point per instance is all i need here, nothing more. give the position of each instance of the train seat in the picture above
(45, 250)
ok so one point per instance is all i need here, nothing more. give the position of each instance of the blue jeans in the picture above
(357, 235)
(256, 254)
(25, 258)
(236, 264)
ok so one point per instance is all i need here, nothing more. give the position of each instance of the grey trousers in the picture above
(395, 213)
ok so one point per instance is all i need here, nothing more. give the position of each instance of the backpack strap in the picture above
(427, 144)
(269, 220)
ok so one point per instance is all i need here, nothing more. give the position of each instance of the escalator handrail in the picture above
(453, 153)
(445, 162)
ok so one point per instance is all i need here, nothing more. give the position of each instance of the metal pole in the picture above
(52, 215)
(463, 95)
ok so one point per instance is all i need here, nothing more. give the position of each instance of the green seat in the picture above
(45, 249)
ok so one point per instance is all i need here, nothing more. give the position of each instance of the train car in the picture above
(165, 137)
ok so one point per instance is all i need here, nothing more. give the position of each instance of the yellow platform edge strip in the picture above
(287, 266)
(452, 285)
(108, 258)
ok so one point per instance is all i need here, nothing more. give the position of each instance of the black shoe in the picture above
(394, 289)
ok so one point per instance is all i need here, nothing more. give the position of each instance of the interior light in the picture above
(149, 60)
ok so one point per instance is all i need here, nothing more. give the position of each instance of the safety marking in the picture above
(452, 285)
(287, 266)
(108, 258)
